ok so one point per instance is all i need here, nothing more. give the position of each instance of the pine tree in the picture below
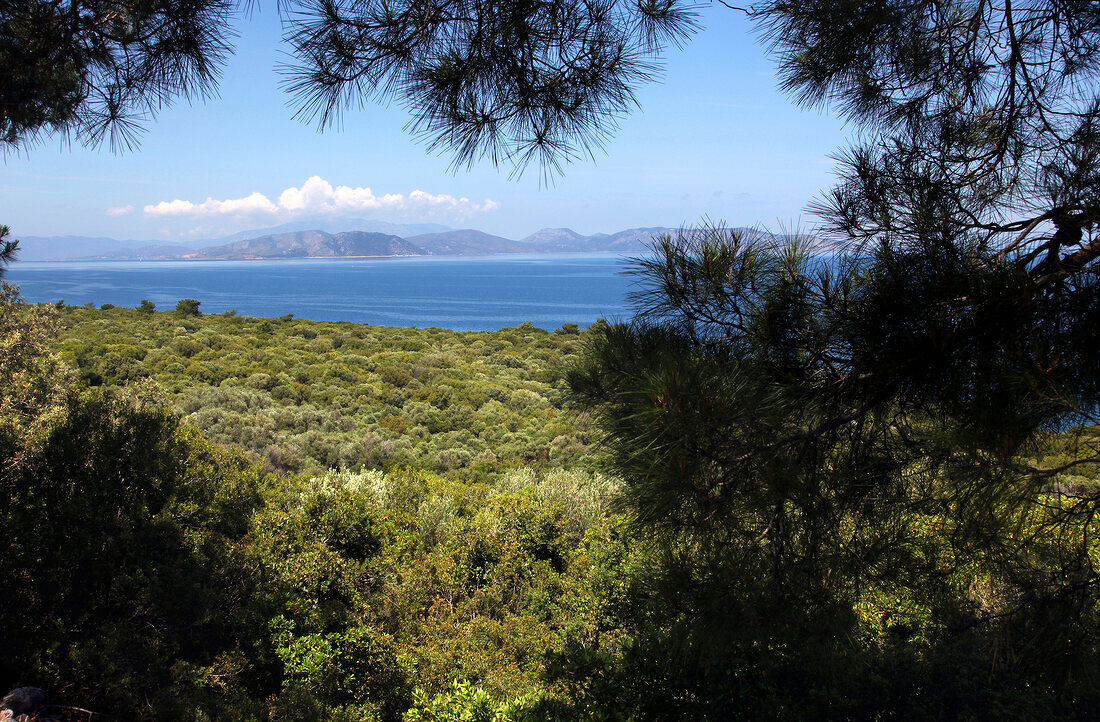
(9, 250)
(516, 82)
(807, 425)
(94, 70)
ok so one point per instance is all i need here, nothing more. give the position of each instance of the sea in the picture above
(482, 293)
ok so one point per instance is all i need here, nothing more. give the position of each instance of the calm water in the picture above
(484, 293)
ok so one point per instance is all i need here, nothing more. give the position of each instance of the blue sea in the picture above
(465, 293)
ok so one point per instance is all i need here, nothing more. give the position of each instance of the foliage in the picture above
(93, 69)
(982, 120)
(185, 307)
(836, 454)
(464, 703)
(511, 82)
(35, 381)
(122, 584)
(119, 562)
(9, 250)
(858, 487)
(193, 585)
(307, 396)
(385, 582)
(809, 439)
(154, 575)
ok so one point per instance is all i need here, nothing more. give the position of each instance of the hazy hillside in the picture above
(64, 248)
(335, 225)
(631, 240)
(565, 240)
(466, 242)
(310, 244)
(337, 239)
(551, 239)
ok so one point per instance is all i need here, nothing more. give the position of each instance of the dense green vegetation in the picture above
(306, 396)
(152, 573)
(851, 513)
(835, 458)
(863, 490)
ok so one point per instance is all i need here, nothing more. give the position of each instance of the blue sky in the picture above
(713, 139)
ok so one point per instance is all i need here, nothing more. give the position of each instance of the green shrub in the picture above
(188, 307)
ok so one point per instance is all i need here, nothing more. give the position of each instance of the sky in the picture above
(713, 139)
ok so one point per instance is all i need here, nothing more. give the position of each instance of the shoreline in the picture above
(440, 256)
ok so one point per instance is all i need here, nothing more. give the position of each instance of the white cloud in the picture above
(318, 197)
(170, 208)
(119, 210)
(254, 204)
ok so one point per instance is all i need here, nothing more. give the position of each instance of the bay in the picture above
(468, 293)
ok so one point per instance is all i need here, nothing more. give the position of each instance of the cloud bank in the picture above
(318, 197)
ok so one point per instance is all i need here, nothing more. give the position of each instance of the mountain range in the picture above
(359, 238)
(308, 244)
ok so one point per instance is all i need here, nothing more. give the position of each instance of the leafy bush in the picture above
(379, 396)
(121, 528)
(188, 307)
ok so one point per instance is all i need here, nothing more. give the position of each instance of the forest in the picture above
(848, 474)
(301, 396)
(224, 517)
(220, 517)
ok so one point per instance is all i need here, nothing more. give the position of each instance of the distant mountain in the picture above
(315, 243)
(154, 252)
(466, 243)
(309, 244)
(334, 225)
(549, 240)
(564, 240)
(322, 242)
(633, 240)
(66, 248)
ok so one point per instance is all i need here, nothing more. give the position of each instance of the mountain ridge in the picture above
(284, 243)
(308, 244)
(465, 242)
